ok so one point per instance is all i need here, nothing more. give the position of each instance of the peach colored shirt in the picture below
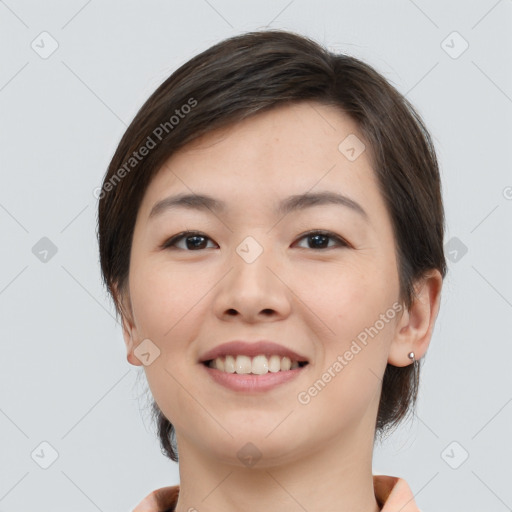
(392, 493)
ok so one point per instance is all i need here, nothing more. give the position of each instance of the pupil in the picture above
(315, 237)
(197, 242)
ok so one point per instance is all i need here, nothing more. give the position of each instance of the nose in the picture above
(255, 288)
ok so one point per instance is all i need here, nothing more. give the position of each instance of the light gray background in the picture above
(65, 379)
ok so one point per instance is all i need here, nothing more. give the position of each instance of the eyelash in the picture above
(183, 235)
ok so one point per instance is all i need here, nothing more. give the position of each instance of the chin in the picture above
(256, 448)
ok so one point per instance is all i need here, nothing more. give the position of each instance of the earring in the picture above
(415, 362)
(415, 366)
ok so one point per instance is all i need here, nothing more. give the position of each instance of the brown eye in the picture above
(196, 241)
(320, 239)
(193, 241)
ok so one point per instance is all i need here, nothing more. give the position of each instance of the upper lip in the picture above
(253, 349)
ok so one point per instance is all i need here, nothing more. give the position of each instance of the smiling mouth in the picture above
(257, 365)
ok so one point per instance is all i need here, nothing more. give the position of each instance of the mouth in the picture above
(253, 367)
(258, 365)
(253, 375)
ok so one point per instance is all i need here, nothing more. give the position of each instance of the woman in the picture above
(271, 231)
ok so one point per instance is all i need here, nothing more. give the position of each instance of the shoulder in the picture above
(160, 500)
(392, 492)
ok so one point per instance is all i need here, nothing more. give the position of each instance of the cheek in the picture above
(161, 296)
(166, 305)
(344, 297)
(351, 302)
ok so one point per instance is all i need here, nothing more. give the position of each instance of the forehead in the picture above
(288, 150)
(295, 131)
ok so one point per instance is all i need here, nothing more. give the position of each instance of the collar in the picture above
(392, 493)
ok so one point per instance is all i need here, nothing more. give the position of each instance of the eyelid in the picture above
(325, 232)
(169, 243)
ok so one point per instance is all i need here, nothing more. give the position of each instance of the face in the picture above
(252, 271)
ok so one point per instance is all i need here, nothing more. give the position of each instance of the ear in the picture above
(128, 323)
(415, 327)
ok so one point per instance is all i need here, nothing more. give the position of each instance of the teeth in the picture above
(221, 366)
(258, 365)
(274, 364)
(285, 363)
(243, 364)
(229, 364)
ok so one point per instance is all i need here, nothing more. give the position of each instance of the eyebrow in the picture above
(290, 204)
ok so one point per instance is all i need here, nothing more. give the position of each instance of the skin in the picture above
(314, 456)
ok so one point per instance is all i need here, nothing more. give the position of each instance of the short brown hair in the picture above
(253, 72)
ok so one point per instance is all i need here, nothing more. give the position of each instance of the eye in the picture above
(319, 239)
(193, 240)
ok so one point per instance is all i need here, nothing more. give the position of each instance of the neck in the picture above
(337, 475)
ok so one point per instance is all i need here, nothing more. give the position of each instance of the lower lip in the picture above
(250, 382)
